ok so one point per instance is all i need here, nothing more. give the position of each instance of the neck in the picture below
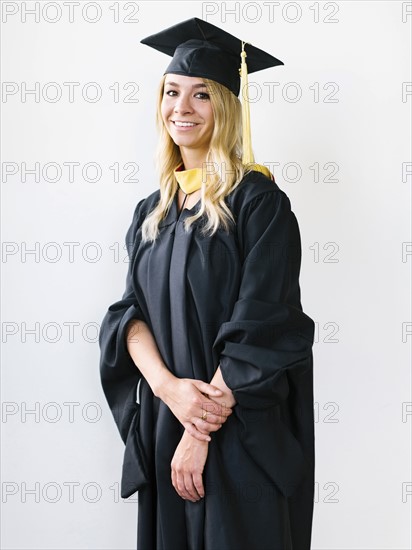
(193, 158)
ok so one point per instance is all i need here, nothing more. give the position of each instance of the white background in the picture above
(358, 121)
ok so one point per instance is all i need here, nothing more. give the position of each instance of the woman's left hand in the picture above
(187, 467)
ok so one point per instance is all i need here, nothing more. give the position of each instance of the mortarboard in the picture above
(201, 49)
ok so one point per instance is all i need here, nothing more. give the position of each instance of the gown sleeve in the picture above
(268, 333)
(118, 373)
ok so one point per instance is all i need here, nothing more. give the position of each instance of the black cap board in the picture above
(201, 49)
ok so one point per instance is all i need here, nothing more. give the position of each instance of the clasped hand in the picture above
(197, 405)
(201, 408)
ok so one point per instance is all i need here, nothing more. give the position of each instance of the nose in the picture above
(182, 104)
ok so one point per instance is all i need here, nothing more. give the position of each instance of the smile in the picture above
(180, 124)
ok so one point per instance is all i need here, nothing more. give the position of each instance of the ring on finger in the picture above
(204, 415)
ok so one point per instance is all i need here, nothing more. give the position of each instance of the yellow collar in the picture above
(191, 180)
(188, 180)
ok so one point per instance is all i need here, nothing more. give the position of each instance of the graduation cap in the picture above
(201, 49)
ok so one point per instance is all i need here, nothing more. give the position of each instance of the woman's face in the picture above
(187, 112)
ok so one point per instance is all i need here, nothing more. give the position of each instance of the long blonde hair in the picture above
(223, 164)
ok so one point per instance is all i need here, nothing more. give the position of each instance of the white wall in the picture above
(354, 279)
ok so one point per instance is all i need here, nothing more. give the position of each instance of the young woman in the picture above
(206, 361)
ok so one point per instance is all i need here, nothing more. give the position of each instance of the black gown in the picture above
(231, 299)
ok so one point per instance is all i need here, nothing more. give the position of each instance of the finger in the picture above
(198, 483)
(205, 427)
(191, 428)
(206, 416)
(190, 488)
(181, 488)
(211, 418)
(219, 407)
(214, 408)
(175, 483)
(207, 388)
(173, 476)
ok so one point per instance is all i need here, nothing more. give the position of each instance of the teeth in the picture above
(177, 123)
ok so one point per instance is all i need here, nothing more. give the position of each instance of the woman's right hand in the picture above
(190, 400)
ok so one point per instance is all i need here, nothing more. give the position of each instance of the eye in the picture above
(202, 95)
(171, 93)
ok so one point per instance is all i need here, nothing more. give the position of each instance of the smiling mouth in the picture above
(180, 124)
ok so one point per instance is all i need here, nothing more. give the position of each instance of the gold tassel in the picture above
(247, 139)
(248, 158)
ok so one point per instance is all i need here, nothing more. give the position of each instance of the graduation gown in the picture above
(231, 299)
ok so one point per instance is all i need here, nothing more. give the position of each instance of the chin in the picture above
(181, 142)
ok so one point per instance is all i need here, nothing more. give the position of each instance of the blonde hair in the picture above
(224, 157)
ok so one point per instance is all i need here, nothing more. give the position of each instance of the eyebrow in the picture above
(203, 85)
